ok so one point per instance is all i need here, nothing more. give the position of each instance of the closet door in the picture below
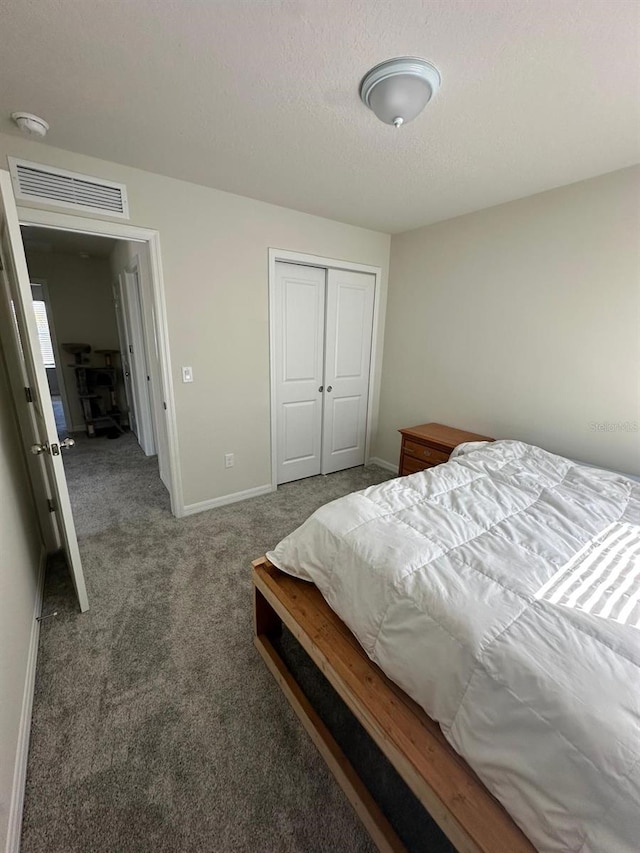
(299, 349)
(349, 328)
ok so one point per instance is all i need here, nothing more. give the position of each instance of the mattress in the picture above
(501, 591)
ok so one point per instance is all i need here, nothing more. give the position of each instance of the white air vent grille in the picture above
(34, 182)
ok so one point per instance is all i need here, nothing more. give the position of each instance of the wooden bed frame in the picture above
(446, 786)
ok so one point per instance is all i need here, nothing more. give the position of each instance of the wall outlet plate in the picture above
(228, 460)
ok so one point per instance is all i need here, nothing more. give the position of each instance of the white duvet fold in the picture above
(451, 579)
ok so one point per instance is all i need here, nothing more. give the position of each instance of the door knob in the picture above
(37, 449)
(329, 387)
(321, 388)
(67, 442)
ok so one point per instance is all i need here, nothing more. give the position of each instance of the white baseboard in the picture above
(202, 506)
(388, 466)
(14, 827)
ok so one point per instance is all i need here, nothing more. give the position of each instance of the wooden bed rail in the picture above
(458, 802)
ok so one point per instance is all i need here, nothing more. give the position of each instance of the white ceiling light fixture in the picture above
(399, 89)
(30, 124)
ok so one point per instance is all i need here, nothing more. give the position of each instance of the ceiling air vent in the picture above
(51, 186)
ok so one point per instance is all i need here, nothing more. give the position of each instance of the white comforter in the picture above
(476, 586)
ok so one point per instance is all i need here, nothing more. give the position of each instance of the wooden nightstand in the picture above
(430, 444)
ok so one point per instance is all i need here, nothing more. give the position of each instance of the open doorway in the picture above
(99, 354)
(42, 447)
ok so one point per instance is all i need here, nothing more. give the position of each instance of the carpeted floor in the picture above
(156, 726)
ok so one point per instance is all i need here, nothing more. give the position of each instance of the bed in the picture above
(501, 593)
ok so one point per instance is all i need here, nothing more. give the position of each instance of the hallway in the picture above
(111, 482)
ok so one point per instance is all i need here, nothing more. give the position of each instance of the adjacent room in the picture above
(89, 302)
(320, 426)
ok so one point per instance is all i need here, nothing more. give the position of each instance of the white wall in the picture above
(82, 307)
(522, 321)
(20, 552)
(215, 260)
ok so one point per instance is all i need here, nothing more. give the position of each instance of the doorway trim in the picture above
(121, 231)
(308, 260)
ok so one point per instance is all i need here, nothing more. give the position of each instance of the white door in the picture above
(299, 355)
(157, 405)
(349, 329)
(138, 367)
(42, 432)
(11, 349)
(119, 301)
(142, 272)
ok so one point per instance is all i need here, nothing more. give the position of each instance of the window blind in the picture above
(44, 336)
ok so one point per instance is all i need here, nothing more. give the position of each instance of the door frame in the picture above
(305, 259)
(150, 237)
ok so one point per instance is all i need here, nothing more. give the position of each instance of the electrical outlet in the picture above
(228, 460)
(187, 374)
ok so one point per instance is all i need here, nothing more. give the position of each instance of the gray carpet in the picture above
(156, 726)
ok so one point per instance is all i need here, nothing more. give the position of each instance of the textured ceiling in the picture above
(260, 97)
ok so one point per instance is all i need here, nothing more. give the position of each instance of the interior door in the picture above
(141, 267)
(349, 329)
(126, 349)
(11, 350)
(138, 361)
(299, 349)
(42, 435)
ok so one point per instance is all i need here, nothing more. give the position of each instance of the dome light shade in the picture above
(399, 89)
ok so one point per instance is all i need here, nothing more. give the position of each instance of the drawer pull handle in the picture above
(426, 453)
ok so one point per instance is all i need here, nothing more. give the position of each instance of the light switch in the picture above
(187, 374)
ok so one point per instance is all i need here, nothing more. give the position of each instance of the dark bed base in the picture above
(443, 783)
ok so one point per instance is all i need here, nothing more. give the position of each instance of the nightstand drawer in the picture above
(412, 466)
(427, 454)
(419, 443)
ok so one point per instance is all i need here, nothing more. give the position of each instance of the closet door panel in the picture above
(299, 352)
(348, 333)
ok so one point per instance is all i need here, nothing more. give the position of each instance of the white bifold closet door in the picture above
(299, 352)
(347, 362)
(323, 330)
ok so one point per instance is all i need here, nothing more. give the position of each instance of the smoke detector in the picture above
(30, 124)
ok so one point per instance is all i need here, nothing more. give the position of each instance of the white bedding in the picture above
(463, 583)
